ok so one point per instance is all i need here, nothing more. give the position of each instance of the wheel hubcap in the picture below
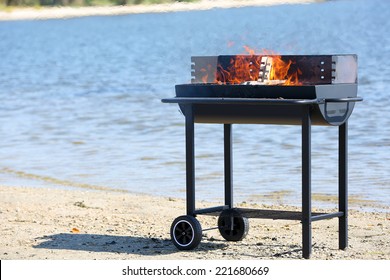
(183, 233)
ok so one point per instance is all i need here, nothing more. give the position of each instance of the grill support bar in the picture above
(211, 210)
(343, 185)
(306, 182)
(326, 216)
(190, 160)
(227, 131)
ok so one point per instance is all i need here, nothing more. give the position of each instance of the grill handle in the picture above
(340, 100)
(347, 100)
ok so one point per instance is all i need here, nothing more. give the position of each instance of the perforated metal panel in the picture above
(312, 69)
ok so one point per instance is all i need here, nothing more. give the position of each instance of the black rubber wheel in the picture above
(186, 232)
(232, 225)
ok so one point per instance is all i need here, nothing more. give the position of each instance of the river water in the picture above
(80, 102)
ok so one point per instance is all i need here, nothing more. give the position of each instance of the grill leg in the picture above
(343, 185)
(190, 160)
(227, 131)
(306, 183)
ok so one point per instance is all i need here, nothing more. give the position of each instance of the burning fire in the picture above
(281, 70)
(266, 68)
(241, 69)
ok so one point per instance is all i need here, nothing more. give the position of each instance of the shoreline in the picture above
(46, 223)
(43, 13)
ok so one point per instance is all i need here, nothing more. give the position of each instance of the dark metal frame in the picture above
(306, 216)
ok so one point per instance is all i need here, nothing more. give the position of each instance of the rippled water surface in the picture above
(80, 102)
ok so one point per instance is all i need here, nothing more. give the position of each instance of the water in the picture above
(80, 102)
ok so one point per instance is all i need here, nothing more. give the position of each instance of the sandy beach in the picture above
(70, 12)
(39, 223)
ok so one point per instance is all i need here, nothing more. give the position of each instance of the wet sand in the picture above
(70, 12)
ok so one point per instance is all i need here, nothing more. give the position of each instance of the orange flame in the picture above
(230, 44)
(241, 69)
(205, 74)
(281, 70)
(249, 50)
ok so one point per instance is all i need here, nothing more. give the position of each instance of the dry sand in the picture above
(38, 223)
(69, 12)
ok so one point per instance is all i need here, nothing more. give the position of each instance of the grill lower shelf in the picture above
(275, 214)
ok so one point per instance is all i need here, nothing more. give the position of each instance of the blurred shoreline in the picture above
(27, 13)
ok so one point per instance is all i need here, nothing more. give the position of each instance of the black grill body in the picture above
(329, 104)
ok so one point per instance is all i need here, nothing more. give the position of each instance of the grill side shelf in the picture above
(255, 101)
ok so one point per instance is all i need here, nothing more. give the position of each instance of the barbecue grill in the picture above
(265, 89)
